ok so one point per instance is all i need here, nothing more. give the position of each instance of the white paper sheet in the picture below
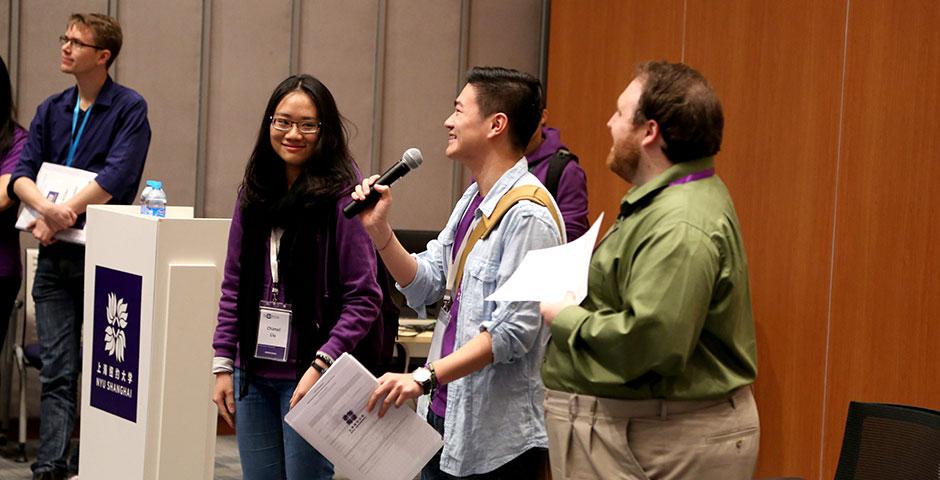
(546, 275)
(332, 417)
(58, 183)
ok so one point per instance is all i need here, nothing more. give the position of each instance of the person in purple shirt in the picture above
(568, 185)
(12, 138)
(300, 283)
(98, 126)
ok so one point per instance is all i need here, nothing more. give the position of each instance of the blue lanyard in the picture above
(73, 145)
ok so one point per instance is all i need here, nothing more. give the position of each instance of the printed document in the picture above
(58, 183)
(332, 417)
(547, 274)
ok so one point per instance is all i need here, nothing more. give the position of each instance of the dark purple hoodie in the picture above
(362, 298)
(10, 236)
(572, 196)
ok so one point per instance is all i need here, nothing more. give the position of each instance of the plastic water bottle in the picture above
(143, 199)
(153, 199)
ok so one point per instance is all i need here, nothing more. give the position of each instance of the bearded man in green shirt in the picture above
(649, 377)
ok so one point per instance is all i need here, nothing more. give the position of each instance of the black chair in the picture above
(884, 441)
(414, 241)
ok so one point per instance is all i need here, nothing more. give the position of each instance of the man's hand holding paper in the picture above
(333, 417)
(550, 274)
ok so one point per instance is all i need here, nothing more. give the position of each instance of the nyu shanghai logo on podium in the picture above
(115, 357)
(114, 338)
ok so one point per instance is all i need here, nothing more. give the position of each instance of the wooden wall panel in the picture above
(886, 292)
(830, 151)
(777, 69)
(588, 68)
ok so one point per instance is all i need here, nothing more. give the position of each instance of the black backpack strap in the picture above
(556, 165)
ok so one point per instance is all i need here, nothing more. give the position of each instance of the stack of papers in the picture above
(548, 274)
(58, 183)
(332, 417)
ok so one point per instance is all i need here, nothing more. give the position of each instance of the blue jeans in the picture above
(58, 292)
(268, 447)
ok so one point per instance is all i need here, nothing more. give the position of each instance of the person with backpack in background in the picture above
(558, 169)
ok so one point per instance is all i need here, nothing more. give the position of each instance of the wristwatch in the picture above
(424, 378)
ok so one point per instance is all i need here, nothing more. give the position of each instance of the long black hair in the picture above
(7, 109)
(329, 171)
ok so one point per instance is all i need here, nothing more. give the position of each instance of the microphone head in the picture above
(412, 158)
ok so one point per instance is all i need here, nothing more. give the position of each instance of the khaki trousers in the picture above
(602, 438)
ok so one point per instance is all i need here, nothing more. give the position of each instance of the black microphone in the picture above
(410, 160)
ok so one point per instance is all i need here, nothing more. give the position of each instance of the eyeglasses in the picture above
(284, 125)
(77, 43)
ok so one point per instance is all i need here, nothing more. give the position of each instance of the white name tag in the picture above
(273, 332)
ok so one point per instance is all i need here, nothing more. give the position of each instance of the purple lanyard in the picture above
(628, 208)
(693, 177)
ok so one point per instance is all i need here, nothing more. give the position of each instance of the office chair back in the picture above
(885, 441)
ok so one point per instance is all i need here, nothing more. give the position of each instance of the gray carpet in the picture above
(227, 466)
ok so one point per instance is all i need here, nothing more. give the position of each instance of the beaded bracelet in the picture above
(328, 360)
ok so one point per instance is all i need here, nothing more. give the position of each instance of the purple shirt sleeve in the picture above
(10, 265)
(225, 341)
(572, 200)
(360, 294)
(31, 154)
(10, 159)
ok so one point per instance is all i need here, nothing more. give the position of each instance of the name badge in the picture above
(273, 331)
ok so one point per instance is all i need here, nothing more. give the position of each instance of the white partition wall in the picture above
(151, 298)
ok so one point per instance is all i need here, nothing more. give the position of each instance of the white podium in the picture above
(151, 300)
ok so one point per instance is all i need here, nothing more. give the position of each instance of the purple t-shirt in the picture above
(439, 402)
(9, 237)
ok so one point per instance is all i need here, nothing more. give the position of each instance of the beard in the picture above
(624, 159)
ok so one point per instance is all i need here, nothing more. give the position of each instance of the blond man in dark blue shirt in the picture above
(99, 126)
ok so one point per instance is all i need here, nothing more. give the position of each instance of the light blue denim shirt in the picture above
(494, 414)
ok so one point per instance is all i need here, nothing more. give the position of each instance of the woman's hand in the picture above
(224, 397)
(397, 388)
(305, 384)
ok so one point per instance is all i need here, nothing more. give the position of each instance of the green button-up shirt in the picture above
(668, 312)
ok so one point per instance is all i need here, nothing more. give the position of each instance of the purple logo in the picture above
(353, 421)
(115, 356)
